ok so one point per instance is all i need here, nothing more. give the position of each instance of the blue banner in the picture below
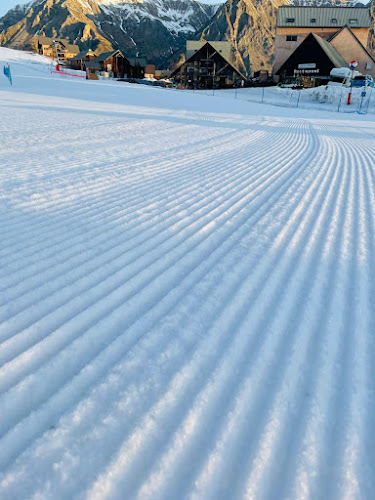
(8, 74)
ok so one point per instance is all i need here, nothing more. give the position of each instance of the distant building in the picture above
(92, 70)
(138, 65)
(311, 62)
(341, 35)
(162, 73)
(350, 47)
(114, 62)
(149, 71)
(56, 48)
(208, 65)
(80, 60)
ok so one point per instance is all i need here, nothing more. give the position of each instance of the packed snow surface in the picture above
(187, 295)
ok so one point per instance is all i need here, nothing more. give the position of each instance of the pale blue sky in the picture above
(5, 5)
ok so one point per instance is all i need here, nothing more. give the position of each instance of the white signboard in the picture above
(306, 71)
(307, 66)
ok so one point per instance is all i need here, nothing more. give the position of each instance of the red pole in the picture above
(350, 90)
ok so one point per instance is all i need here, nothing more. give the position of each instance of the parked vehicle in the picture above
(342, 77)
(363, 81)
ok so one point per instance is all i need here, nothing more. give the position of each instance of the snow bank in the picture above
(10, 55)
(329, 98)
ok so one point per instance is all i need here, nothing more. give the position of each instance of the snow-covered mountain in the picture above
(156, 29)
(151, 28)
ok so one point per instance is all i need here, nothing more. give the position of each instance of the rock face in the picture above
(153, 29)
(372, 30)
(70, 19)
(250, 26)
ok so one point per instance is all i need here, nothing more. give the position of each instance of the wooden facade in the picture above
(79, 62)
(92, 70)
(114, 63)
(207, 68)
(58, 49)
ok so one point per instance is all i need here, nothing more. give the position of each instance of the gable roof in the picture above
(45, 40)
(330, 52)
(226, 59)
(92, 64)
(106, 55)
(224, 48)
(82, 54)
(323, 16)
(344, 28)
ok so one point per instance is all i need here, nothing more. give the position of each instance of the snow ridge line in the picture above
(120, 267)
(119, 217)
(93, 320)
(262, 280)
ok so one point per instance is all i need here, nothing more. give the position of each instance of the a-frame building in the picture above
(207, 67)
(312, 60)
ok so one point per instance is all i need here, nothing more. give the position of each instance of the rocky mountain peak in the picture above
(156, 30)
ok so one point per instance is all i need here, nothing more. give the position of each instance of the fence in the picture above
(70, 73)
(325, 98)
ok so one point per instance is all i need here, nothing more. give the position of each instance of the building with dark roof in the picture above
(114, 62)
(294, 24)
(208, 67)
(80, 60)
(311, 62)
(92, 70)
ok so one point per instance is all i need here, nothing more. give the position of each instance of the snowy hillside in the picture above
(27, 58)
(186, 295)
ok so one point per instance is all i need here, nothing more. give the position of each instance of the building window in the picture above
(313, 20)
(291, 38)
(353, 21)
(334, 21)
(290, 20)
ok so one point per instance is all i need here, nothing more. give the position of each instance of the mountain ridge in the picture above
(156, 30)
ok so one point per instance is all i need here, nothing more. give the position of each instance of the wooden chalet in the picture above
(208, 65)
(92, 70)
(56, 48)
(114, 62)
(138, 65)
(79, 61)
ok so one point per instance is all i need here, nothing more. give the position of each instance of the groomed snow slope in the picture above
(187, 296)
